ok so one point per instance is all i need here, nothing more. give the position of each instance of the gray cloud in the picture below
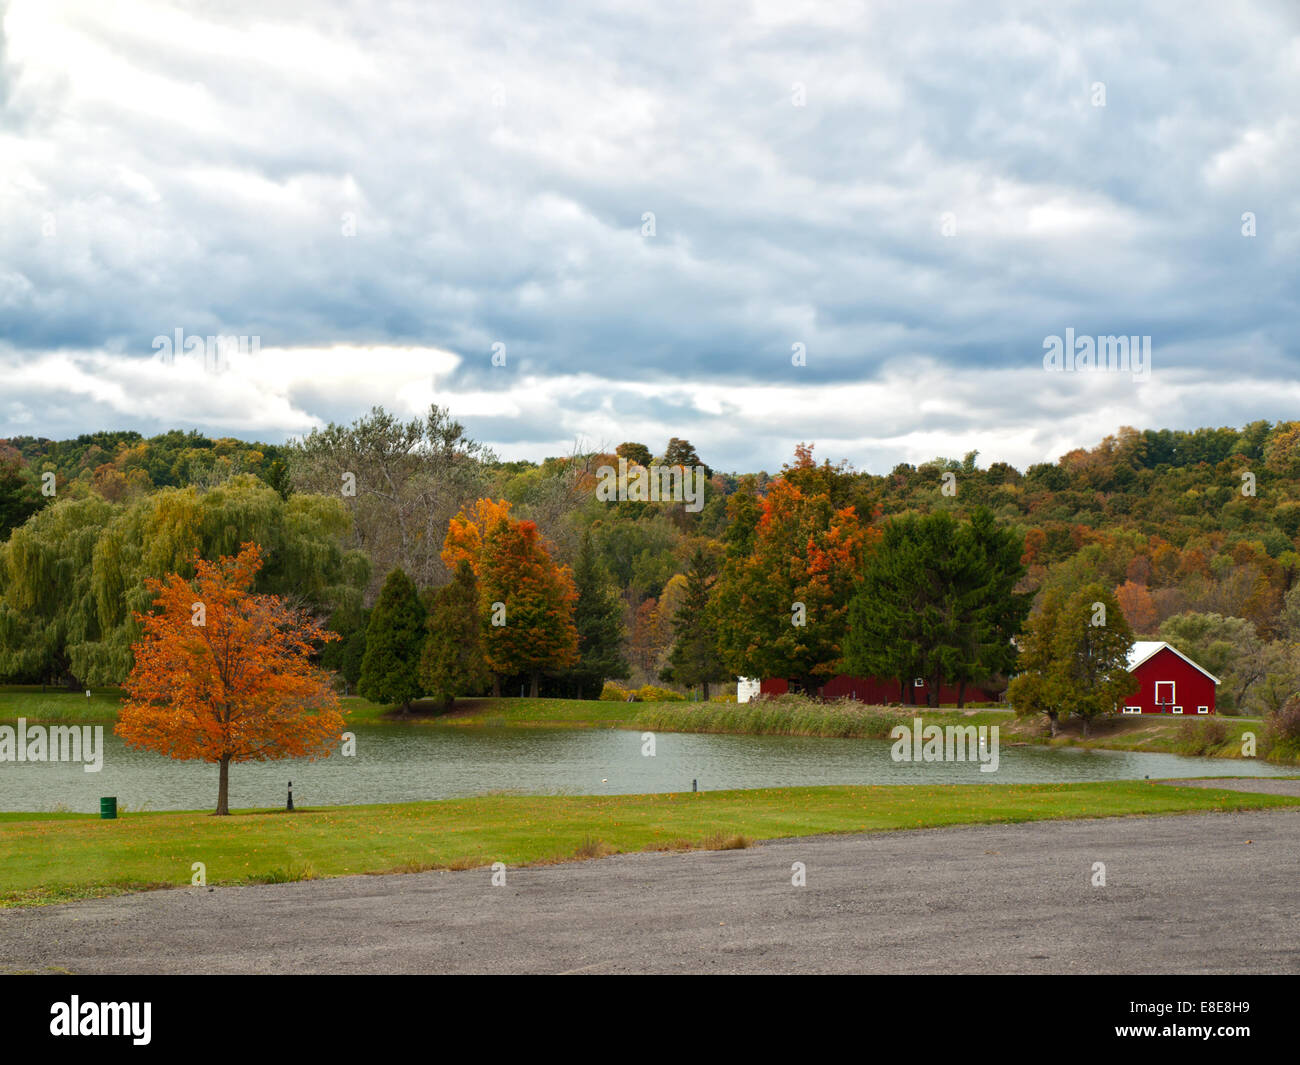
(197, 168)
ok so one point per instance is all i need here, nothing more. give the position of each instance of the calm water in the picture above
(401, 764)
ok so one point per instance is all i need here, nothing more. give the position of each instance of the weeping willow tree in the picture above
(74, 575)
(47, 602)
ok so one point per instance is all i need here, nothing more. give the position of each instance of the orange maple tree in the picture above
(534, 631)
(224, 675)
(805, 552)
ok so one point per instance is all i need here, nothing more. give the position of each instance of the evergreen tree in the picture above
(354, 654)
(937, 600)
(682, 453)
(452, 662)
(907, 617)
(390, 669)
(996, 612)
(598, 619)
(883, 632)
(694, 658)
(345, 654)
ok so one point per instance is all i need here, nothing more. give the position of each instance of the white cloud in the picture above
(195, 163)
(915, 411)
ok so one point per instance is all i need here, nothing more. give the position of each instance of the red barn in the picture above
(1171, 683)
(878, 692)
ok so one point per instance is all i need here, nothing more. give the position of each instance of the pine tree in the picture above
(598, 619)
(452, 662)
(937, 600)
(992, 611)
(394, 640)
(694, 658)
(882, 638)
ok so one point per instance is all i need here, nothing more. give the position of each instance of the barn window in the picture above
(1132, 709)
(1178, 709)
(1202, 709)
(919, 682)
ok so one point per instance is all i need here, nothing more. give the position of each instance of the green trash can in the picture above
(108, 808)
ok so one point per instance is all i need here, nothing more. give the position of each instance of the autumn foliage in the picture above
(532, 630)
(223, 675)
(781, 608)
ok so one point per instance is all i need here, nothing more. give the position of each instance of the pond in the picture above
(407, 763)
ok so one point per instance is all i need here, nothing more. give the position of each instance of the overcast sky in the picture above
(917, 193)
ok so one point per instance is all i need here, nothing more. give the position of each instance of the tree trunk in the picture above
(706, 691)
(1051, 720)
(933, 698)
(902, 691)
(961, 695)
(1086, 722)
(223, 787)
(496, 685)
(532, 685)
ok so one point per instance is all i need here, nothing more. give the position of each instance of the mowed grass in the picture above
(58, 706)
(55, 706)
(48, 858)
(502, 713)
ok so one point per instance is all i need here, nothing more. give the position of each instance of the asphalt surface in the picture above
(1204, 893)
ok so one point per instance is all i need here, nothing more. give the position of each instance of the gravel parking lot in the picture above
(1204, 893)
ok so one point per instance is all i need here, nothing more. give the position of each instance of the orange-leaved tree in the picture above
(526, 600)
(224, 675)
(780, 605)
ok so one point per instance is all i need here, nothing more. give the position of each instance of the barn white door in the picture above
(1164, 694)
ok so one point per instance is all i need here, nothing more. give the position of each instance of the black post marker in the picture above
(289, 805)
(695, 785)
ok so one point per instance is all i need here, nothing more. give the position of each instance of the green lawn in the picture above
(55, 857)
(56, 706)
(469, 713)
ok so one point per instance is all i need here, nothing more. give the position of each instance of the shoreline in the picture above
(1156, 735)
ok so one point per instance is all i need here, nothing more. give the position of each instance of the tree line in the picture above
(807, 572)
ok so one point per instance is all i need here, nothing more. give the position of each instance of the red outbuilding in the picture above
(1170, 682)
(878, 691)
